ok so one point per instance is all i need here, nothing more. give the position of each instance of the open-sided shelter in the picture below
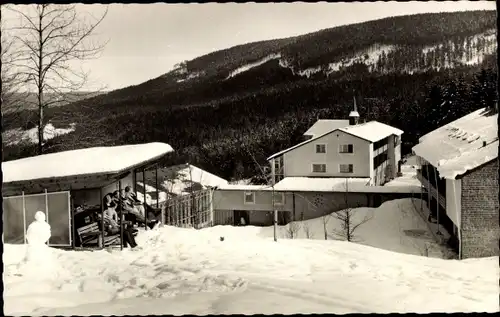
(69, 187)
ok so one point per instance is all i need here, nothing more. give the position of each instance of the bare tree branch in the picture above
(49, 38)
(348, 223)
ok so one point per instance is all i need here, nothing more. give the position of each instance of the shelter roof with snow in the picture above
(323, 126)
(372, 131)
(461, 145)
(111, 160)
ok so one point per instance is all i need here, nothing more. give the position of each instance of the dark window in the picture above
(319, 168)
(346, 168)
(346, 148)
(379, 159)
(320, 148)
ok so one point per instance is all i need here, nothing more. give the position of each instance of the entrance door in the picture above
(238, 215)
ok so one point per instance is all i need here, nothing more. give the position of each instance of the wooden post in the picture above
(144, 198)
(102, 219)
(47, 211)
(275, 225)
(156, 183)
(121, 213)
(421, 188)
(437, 199)
(428, 187)
(24, 218)
(71, 206)
(211, 206)
(293, 206)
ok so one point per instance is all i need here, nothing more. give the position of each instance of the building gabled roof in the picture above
(90, 161)
(461, 145)
(323, 126)
(372, 131)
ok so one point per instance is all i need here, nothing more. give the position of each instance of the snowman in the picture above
(38, 256)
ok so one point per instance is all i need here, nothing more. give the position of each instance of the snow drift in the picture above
(188, 271)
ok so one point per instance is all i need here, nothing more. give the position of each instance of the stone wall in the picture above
(480, 217)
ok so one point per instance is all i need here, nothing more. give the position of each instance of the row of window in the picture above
(343, 148)
(343, 168)
(279, 198)
(379, 159)
(377, 145)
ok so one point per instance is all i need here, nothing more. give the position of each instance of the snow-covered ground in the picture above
(187, 271)
(409, 177)
(394, 226)
(16, 136)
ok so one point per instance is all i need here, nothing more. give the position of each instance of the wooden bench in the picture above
(91, 235)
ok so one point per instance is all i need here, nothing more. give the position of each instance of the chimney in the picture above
(354, 115)
(484, 143)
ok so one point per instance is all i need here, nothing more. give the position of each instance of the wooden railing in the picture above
(432, 190)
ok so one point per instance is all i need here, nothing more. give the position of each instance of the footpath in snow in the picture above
(188, 271)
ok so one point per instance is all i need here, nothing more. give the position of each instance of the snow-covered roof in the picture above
(372, 131)
(97, 160)
(338, 184)
(186, 175)
(353, 114)
(323, 126)
(459, 146)
(246, 187)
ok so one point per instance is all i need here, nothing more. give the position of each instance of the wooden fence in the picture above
(193, 210)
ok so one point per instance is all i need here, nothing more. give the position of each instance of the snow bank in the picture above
(188, 271)
(16, 136)
(246, 67)
(394, 226)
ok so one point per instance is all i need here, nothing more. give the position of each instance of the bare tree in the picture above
(348, 222)
(11, 96)
(292, 230)
(50, 38)
(306, 227)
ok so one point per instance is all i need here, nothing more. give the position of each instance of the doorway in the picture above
(241, 214)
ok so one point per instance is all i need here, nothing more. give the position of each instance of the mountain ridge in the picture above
(226, 104)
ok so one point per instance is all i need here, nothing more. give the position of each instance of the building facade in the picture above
(368, 150)
(459, 169)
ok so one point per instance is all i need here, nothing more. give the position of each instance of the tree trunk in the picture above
(40, 121)
(40, 87)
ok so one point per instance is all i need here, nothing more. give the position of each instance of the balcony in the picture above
(432, 190)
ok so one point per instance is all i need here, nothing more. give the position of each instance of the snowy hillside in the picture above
(16, 136)
(246, 67)
(387, 58)
(188, 271)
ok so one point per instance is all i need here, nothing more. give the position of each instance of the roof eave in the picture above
(111, 174)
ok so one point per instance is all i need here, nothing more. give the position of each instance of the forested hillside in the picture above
(414, 72)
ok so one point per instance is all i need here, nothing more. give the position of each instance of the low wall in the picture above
(298, 205)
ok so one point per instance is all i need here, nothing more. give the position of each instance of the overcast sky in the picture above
(146, 40)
